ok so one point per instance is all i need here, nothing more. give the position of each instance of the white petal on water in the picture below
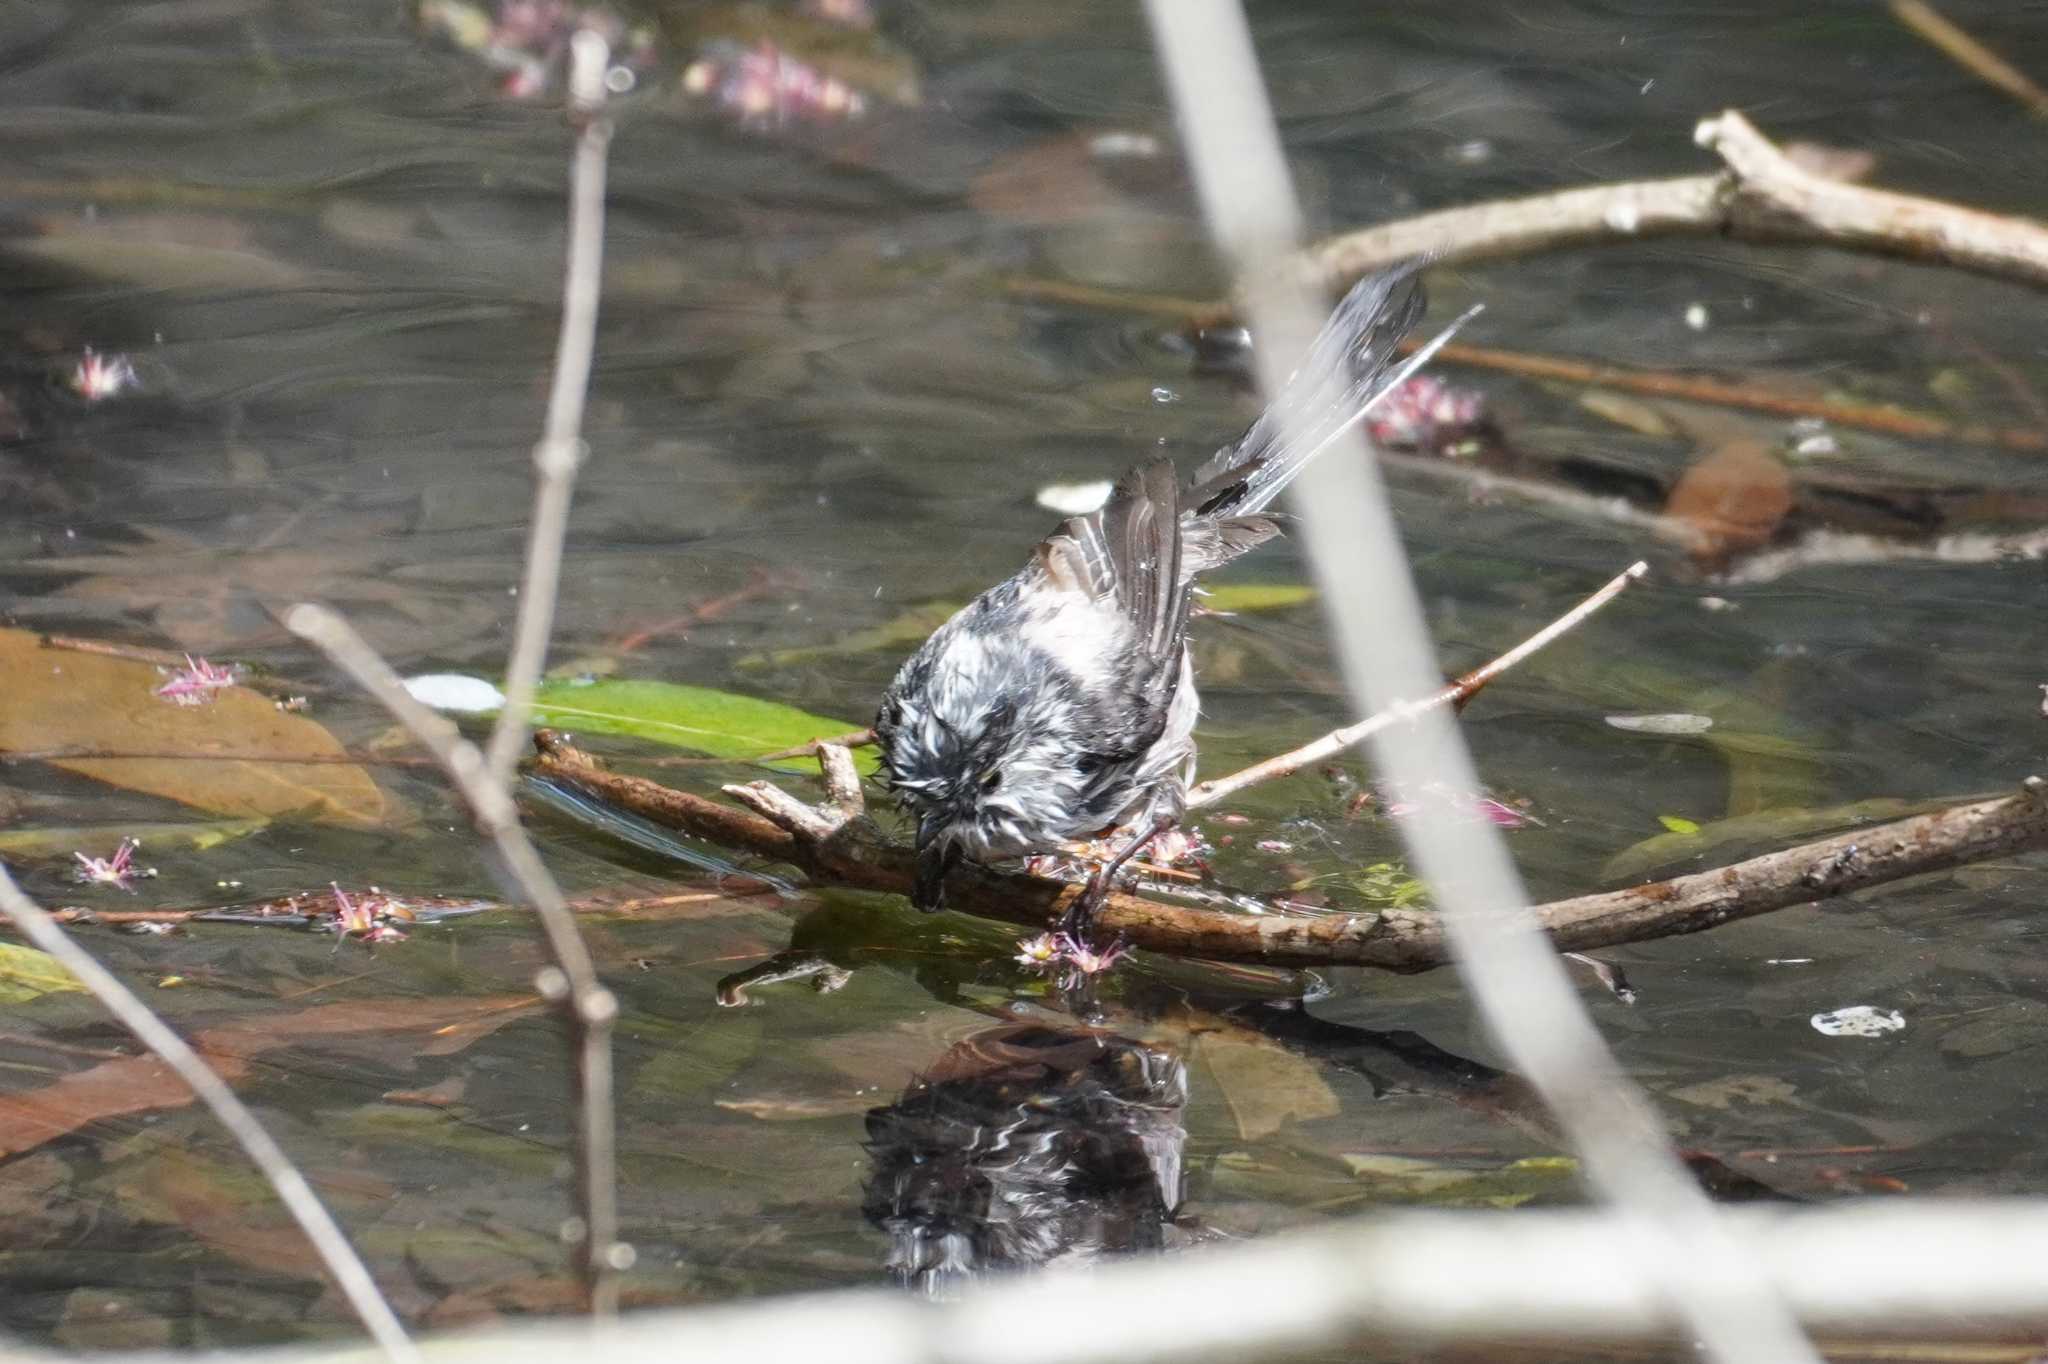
(455, 692)
(1662, 724)
(1074, 499)
(1858, 1020)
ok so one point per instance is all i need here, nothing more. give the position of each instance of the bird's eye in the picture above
(991, 779)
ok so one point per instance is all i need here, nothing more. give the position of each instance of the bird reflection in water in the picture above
(1025, 1145)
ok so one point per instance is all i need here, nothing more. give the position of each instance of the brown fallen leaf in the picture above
(60, 699)
(1736, 497)
(1263, 1084)
(141, 1084)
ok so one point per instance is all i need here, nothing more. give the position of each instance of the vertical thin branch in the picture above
(572, 981)
(561, 447)
(485, 779)
(1518, 985)
(329, 1241)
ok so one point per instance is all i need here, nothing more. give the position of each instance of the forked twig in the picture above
(329, 1241)
(1456, 693)
(571, 981)
(1761, 196)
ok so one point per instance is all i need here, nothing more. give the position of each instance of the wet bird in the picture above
(1061, 703)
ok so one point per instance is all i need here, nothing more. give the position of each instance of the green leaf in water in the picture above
(1679, 824)
(721, 724)
(1236, 598)
(1389, 884)
(27, 974)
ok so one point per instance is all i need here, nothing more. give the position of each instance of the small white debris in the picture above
(1811, 439)
(1788, 961)
(1697, 317)
(1716, 604)
(1165, 395)
(1662, 724)
(1858, 1020)
(455, 692)
(2044, 698)
(1123, 144)
(1476, 152)
(1075, 499)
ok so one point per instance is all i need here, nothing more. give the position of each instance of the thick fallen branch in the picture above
(1761, 196)
(836, 850)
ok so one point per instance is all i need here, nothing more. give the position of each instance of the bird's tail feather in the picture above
(1348, 370)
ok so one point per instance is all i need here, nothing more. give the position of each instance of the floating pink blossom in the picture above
(1468, 804)
(764, 87)
(1426, 414)
(98, 377)
(372, 918)
(1042, 950)
(1084, 960)
(116, 871)
(196, 683)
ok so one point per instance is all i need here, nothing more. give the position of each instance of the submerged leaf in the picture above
(59, 842)
(1763, 829)
(26, 974)
(1679, 824)
(721, 724)
(905, 631)
(60, 699)
(1265, 1085)
(138, 1084)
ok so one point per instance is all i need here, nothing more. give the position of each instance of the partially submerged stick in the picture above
(836, 849)
(1761, 196)
(328, 1239)
(1456, 693)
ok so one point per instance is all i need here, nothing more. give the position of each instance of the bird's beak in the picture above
(936, 855)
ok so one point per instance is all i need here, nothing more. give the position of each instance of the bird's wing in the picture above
(1129, 552)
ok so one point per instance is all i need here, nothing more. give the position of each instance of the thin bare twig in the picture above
(485, 780)
(1761, 196)
(561, 447)
(1518, 986)
(571, 982)
(329, 1241)
(1965, 51)
(1690, 388)
(1456, 693)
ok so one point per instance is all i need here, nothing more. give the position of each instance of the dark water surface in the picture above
(332, 253)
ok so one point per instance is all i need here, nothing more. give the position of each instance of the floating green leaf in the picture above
(720, 724)
(1679, 824)
(27, 974)
(1236, 598)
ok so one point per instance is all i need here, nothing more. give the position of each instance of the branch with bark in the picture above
(1761, 196)
(834, 847)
